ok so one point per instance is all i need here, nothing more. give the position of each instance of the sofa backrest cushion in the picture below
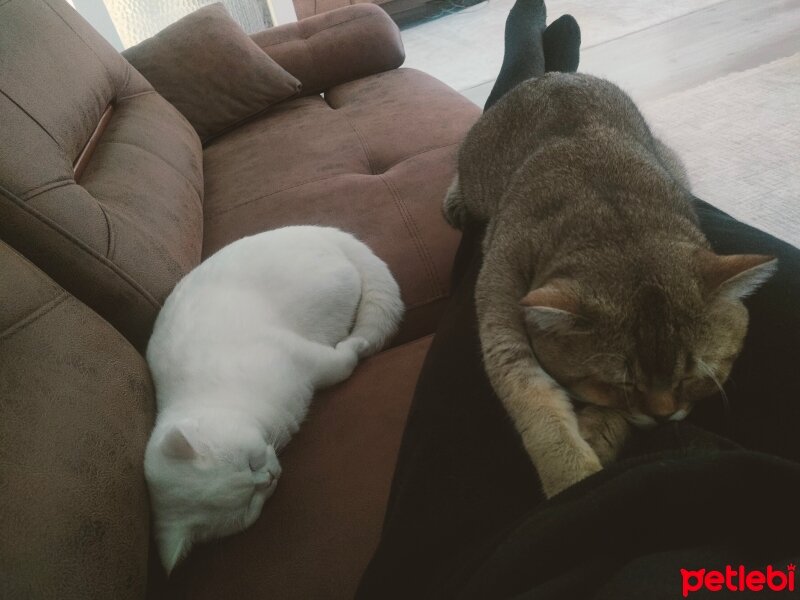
(211, 71)
(76, 408)
(100, 177)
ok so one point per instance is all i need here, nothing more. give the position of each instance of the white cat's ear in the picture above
(735, 276)
(176, 445)
(552, 308)
(173, 545)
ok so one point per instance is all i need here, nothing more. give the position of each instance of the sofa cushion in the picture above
(76, 407)
(317, 533)
(100, 177)
(374, 157)
(208, 67)
(343, 45)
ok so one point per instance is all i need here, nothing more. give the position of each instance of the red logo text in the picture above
(738, 580)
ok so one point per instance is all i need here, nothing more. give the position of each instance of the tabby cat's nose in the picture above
(660, 404)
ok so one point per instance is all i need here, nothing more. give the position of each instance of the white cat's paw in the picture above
(358, 345)
(347, 351)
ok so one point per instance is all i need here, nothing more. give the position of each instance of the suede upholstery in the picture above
(335, 47)
(317, 533)
(76, 408)
(373, 164)
(105, 187)
(310, 8)
(120, 237)
(216, 75)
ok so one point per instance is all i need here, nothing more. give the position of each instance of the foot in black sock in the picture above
(562, 45)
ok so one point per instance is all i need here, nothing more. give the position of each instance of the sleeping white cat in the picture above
(236, 354)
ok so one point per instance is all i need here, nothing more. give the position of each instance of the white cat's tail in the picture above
(381, 308)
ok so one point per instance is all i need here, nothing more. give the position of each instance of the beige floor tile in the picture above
(719, 81)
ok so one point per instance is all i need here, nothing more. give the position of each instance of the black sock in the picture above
(562, 45)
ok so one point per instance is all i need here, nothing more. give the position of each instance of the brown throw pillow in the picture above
(211, 71)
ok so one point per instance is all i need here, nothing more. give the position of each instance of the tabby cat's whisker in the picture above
(707, 370)
(611, 354)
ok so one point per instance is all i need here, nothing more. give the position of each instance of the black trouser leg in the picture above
(462, 476)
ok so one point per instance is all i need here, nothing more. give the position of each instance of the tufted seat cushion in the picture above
(100, 178)
(376, 158)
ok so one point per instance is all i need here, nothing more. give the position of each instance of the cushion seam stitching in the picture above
(111, 79)
(291, 187)
(364, 145)
(109, 233)
(286, 189)
(412, 229)
(34, 315)
(35, 120)
(43, 188)
(136, 95)
(102, 260)
(306, 37)
(59, 185)
(160, 158)
(419, 153)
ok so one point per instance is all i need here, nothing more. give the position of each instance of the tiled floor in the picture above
(719, 80)
(465, 49)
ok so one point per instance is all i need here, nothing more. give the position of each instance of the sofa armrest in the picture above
(335, 47)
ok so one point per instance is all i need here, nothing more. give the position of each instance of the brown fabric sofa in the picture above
(107, 199)
(403, 12)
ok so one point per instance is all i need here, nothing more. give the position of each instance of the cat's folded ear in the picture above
(554, 308)
(734, 276)
(173, 544)
(175, 444)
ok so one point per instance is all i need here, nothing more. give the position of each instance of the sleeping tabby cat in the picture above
(597, 289)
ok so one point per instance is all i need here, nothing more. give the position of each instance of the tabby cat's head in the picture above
(651, 344)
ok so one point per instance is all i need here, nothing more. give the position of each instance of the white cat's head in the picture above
(208, 476)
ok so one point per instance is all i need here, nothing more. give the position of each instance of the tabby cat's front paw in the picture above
(453, 209)
(557, 478)
(605, 430)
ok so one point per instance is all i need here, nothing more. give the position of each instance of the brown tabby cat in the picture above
(597, 284)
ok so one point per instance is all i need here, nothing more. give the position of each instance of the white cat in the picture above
(236, 354)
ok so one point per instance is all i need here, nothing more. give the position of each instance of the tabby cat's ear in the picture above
(176, 445)
(735, 276)
(552, 308)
